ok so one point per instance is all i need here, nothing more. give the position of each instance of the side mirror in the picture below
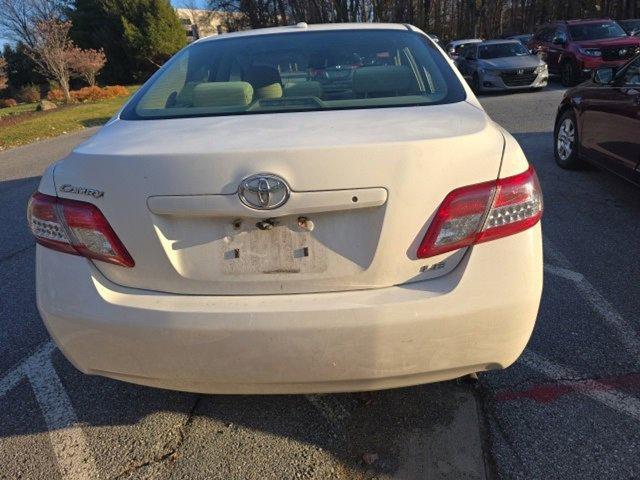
(603, 76)
(559, 41)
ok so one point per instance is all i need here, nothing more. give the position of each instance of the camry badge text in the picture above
(92, 192)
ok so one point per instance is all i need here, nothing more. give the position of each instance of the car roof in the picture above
(499, 41)
(467, 40)
(585, 21)
(304, 27)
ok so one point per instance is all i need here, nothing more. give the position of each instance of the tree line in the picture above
(134, 37)
(449, 19)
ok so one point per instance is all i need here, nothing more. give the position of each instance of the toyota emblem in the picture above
(263, 191)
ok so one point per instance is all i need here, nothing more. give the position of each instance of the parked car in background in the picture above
(631, 26)
(599, 122)
(497, 65)
(524, 38)
(455, 47)
(574, 49)
(235, 230)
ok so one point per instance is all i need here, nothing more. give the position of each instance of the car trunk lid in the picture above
(364, 186)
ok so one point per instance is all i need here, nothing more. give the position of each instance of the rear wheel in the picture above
(566, 142)
(568, 74)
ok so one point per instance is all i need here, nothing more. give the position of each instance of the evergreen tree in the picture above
(152, 30)
(21, 70)
(136, 35)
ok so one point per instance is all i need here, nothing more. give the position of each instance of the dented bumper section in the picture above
(479, 316)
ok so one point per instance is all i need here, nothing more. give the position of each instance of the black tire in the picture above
(568, 74)
(566, 142)
(475, 84)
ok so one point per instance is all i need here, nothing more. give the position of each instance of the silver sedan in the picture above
(497, 65)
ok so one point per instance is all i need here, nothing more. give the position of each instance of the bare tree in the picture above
(53, 52)
(18, 18)
(87, 63)
(3, 74)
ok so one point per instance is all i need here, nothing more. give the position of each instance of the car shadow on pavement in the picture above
(404, 433)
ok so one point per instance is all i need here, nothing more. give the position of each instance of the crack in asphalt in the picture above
(17, 252)
(487, 405)
(167, 456)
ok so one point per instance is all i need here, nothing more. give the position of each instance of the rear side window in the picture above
(299, 71)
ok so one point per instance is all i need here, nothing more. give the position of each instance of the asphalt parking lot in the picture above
(569, 408)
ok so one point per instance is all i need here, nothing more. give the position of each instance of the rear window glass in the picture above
(298, 71)
(501, 50)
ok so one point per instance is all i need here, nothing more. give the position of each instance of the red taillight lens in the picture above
(75, 227)
(483, 212)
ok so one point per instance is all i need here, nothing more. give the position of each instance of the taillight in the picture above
(482, 212)
(75, 227)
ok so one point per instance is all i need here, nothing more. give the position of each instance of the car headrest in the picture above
(262, 75)
(397, 79)
(303, 89)
(222, 94)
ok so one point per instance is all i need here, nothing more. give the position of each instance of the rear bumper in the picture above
(478, 317)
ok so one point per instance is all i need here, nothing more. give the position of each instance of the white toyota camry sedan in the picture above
(300, 209)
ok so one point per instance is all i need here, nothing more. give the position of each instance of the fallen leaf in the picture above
(370, 458)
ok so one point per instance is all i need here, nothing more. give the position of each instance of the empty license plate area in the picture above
(304, 252)
(272, 246)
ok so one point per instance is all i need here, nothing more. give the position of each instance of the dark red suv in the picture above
(574, 49)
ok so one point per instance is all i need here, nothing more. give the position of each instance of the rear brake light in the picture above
(482, 212)
(75, 227)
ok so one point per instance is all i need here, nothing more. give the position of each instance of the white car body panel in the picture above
(407, 152)
(479, 317)
(363, 312)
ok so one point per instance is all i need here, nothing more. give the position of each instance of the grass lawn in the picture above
(15, 131)
(23, 108)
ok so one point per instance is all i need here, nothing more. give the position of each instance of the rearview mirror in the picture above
(603, 76)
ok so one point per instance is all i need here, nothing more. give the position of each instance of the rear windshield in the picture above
(596, 31)
(500, 50)
(299, 71)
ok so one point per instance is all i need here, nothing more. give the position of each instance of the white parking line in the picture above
(601, 393)
(15, 376)
(621, 328)
(74, 458)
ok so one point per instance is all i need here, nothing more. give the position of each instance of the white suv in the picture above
(299, 209)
